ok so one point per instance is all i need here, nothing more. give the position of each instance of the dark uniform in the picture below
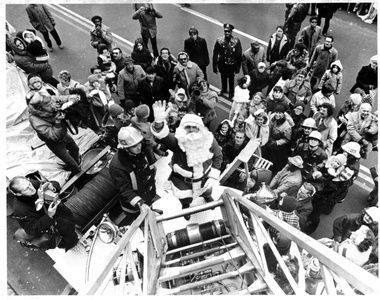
(226, 59)
(133, 175)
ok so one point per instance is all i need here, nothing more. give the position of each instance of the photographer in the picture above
(45, 222)
(205, 100)
(100, 34)
(46, 116)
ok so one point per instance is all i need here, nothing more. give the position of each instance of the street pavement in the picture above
(355, 41)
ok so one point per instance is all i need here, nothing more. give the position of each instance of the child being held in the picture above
(35, 46)
(335, 165)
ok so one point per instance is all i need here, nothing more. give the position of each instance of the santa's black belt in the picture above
(189, 180)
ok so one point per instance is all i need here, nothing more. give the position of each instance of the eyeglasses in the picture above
(182, 58)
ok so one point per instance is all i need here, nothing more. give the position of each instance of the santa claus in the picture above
(196, 159)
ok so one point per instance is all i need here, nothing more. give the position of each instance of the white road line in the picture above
(216, 22)
(88, 24)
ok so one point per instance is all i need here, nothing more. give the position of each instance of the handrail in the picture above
(352, 273)
(95, 283)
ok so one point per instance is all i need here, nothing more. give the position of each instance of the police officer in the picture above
(132, 172)
(226, 59)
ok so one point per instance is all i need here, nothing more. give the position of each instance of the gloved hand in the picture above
(159, 111)
(211, 183)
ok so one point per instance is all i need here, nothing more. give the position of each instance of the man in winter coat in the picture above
(289, 179)
(42, 20)
(361, 125)
(327, 126)
(304, 204)
(132, 171)
(47, 119)
(197, 157)
(278, 97)
(325, 95)
(100, 34)
(321, 60)
(226, 59)
(164, 66)
(251, 57)
(293, 22)
(186, 72)
(311, 35)
(147, 14)
(44, 224)
(127, 81)
(367, 77)
(278, 46)
(118, 59)
(196, 48)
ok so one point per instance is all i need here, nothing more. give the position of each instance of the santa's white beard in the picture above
(196, 145)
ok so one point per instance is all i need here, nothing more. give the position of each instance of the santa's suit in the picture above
(188, 182)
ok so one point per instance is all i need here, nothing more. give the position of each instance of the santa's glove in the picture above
(160, 111)
(213, 178)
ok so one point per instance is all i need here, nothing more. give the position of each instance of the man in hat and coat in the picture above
(226, 59)
(251, 57)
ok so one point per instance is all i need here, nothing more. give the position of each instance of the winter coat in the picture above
(318, 98)
(184, 77)
(329, 129)
(366, 77)
(205, 106)
(321, 60)
(357, 127)
(286, 181)
(104, 37)
(134, 175)
(165, 71)
(27, 62)
(231, 151)
(144, 57)
(150, 93)
(127, 83)
(282, 51)
(40, 17)
(147, 21)
(292, 91)
(259, 81)
(303, 211)
(227, 55)
(197, 51)
(36, 223)
(281, 133)
(271, 103)
(335, 80)
(309, 39)
(253, 131)
(250, 60)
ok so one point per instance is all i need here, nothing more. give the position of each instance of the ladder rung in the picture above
(248, 267)
(176, 272)
(200, 253)
(226, 236)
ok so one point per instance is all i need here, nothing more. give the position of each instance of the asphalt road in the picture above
(355, 41)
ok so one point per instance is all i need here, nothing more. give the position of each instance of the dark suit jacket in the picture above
(197, 50)
(149, 94)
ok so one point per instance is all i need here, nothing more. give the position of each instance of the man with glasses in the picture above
(186, 72)
(38, 214)
(196, 47)
(311, 35)
(321, 60)
(227, 56)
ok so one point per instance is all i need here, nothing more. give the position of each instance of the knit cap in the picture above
(142, 111)
(288, 204)
(115, 110)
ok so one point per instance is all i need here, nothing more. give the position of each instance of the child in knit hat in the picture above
(140, 121)
(335, 165)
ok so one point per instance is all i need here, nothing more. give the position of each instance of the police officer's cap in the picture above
(228, 27)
